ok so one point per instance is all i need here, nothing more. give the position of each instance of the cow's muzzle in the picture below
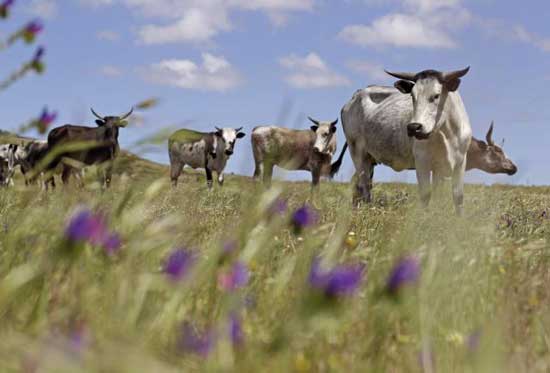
(228, 152)
(417, 130)
(512, 170)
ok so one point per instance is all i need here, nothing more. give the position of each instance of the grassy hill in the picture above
(481, 302)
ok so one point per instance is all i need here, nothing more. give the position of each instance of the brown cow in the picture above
(307, 150)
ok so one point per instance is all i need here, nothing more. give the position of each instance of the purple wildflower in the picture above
(45, 120)
(405, 272)
(473, 341)
(88, 226)
(31, 30)
(236, 330)
(229, 247)
(5, 7)
(36, 63)
(235, 278)
(112, 244)
(78, 338)
(544, 215)
(278, 207)
(178, 264)
(342, 280)
(304, 217)
(85, 226)
(192, 341)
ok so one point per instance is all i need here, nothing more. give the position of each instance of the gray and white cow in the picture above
(306, 150)
(208, 150)
(425, 128)
(482, 155)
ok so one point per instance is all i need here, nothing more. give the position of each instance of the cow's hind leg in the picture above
(364, 175)
(268, 173)
(175, 172)
(257, 170)
(66, 175)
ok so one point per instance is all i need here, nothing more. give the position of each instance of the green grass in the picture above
(486, 272)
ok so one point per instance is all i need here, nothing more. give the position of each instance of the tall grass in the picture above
(481, 302)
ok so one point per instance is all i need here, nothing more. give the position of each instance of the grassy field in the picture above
(481, 303)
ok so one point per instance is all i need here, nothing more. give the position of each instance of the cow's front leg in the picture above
(315, 177)
(208, 178)
(458, 187)
(423, 176)
(220, 178)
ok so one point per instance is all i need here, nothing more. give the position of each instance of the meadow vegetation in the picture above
(226, 280)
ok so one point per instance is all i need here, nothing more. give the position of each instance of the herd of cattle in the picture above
(419, 124)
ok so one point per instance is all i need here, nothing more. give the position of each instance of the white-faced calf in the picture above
(307, 150)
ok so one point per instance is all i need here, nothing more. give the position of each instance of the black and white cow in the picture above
(208, 150)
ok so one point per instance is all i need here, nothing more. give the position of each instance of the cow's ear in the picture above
(219, 133)
(404, 86)
(100, 123)
(314, 128)
(240, 135)
(452, 85)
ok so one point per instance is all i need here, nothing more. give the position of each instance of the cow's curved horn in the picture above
(401, 75)
(218, 129)
(334, 123)
(96, 114)
(239, 129)
(455, 74)
(127, 114)
(316, 122)
(489, 136)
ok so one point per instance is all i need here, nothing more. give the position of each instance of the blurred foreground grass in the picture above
(482, 303)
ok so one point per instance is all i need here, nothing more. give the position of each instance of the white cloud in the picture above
(215, 73)
(521, 34)
(373, 70)
(108, 35)
(311, 72)
(197, 21)
(421, 24)
(110, 71)
(44, 8)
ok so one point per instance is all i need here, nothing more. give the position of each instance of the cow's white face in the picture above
(325, 136)
(429, 90)
(428, 98)
(226, 139)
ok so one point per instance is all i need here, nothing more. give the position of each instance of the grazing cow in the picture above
(103, 149)
(425, 128)
(484, 156)
(489, 157)
(210, 151)
(307, 150)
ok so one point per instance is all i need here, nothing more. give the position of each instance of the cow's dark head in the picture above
(490, 157)
(325, 136)
(429, 90)
(227, 138)
(112, 121)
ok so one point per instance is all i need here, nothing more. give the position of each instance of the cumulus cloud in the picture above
(311, 71)
(421, 24)
(525, 36)
(197, 21)
(214, 73)
(44, 8)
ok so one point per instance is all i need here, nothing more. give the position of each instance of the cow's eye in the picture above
(435, 98)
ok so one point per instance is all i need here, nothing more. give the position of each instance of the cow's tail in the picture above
(335, 167)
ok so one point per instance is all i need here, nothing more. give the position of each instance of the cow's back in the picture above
(288, 148)
(375, 122)
(189, 147)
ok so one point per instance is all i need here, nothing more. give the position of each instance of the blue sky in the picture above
(254, 62)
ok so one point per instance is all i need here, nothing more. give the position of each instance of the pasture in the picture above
(481, 303)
